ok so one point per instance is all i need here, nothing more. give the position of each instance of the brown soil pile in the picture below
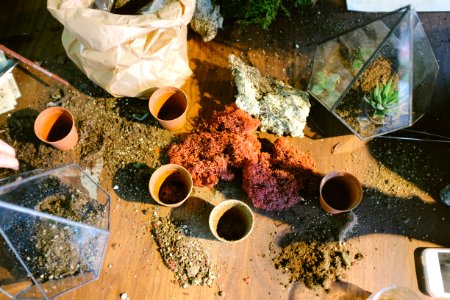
(379, 71)
(316, 264)
(57, 250)
(183, 255)
(73, 205)
(227, 143)
(117, 132)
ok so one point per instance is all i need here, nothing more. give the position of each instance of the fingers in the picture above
(8, 156)
(7, 149)
(7, 161)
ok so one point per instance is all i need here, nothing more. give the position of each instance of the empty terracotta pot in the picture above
(169, 106)
(231, 221)
(340, 191)
(170, 185)
(56, 126)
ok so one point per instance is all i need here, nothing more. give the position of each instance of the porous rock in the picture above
(206, 19)
(281, 109)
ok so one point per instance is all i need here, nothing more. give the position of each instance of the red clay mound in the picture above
(202, 155)
(300, 164)
(232, 120)
(226, 143)
(268, 188)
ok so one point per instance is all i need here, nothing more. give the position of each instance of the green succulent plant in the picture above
(326, 83)
(358, 57)
(384, 99)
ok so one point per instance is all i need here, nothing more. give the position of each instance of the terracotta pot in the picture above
(170, 185)
(169, 106)
(56, 126)
(340, 191)
(231, 221)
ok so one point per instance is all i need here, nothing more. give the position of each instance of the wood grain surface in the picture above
(246, 270)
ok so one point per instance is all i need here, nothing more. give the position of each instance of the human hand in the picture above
(8, 156)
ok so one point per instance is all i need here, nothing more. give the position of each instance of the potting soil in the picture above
(316, 264)
(183, 255)
(54, 250)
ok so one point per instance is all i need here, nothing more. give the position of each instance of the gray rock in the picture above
(281, 109)
(206, 19)
(445, 194)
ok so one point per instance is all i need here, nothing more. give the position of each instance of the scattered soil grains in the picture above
(316, 264)
(52, 250)
(184, 256)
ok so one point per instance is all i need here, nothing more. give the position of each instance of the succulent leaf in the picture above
(326, 83)
(320, 77)
(384, 98)
(334, 77)
(329, 84)
(317, 89)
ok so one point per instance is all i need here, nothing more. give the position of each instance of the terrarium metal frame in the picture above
(88, 239)
(400, 38)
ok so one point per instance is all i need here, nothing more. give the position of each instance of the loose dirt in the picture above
(183, 255)
(316, 264)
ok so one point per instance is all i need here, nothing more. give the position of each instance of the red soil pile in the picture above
(232, 120)
(275, 182)
(300, 164)
(227, 143)
(269, 188)
(224, 142)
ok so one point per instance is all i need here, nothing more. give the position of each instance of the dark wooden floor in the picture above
(30, 30)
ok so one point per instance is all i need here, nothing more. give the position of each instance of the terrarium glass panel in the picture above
(54, 227)
(376, 78)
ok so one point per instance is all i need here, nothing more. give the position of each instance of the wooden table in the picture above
(246, 271)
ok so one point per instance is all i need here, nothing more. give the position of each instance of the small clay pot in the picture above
(231, 221)
(170, 185)
(169, 106)
(56, 126)
(340, 191)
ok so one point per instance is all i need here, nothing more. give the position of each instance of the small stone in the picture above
(123, 296)
(206, 19)
(445, 195)
(56, 95)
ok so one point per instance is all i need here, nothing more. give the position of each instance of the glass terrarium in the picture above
(54, 227)
(378, 77)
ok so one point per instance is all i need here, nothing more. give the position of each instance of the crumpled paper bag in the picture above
(127, 55)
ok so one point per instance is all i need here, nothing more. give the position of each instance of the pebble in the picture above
(445, 194)
(124, 296)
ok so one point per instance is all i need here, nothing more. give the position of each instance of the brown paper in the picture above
(127, 55)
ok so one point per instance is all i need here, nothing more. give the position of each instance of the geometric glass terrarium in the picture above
(378, 77)
(54, 227)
